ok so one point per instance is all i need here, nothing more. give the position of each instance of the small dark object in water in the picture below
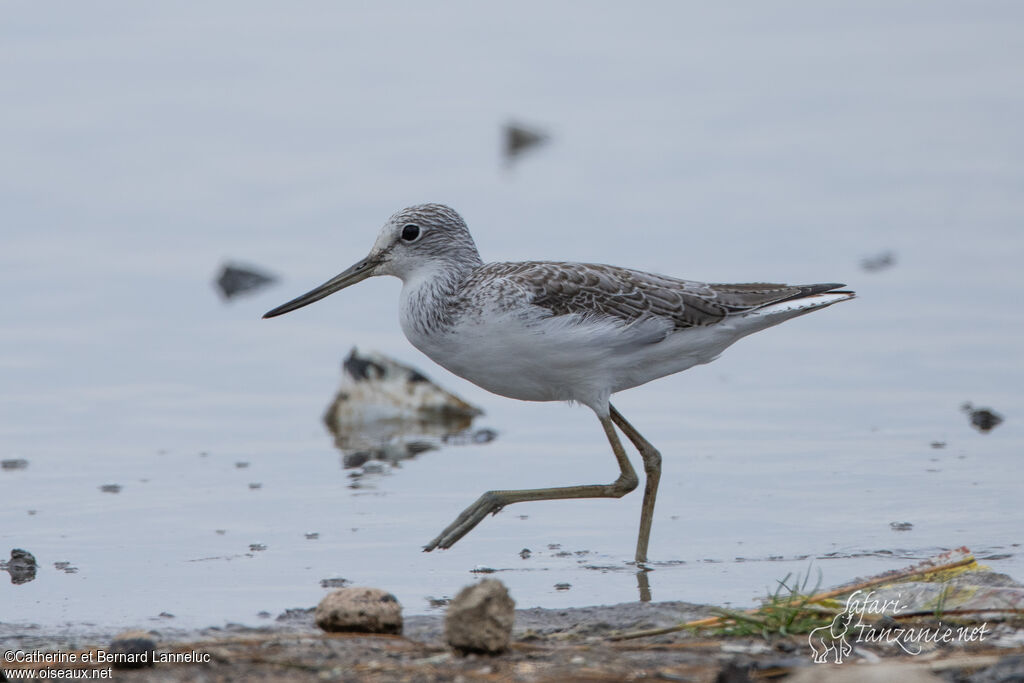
(436, 603)
(312, 535)
(484, 435)
(982, 419)
(563, 586)
(938, 444)
(337, 582)
(881, 261)
(294, 614)
(111, 488)
(255, 485)
(525, 553)
(901, 526)
(519, 138)
(22, 566)
(65, 567)
(236, 279)
(257, 547)
(14, 464)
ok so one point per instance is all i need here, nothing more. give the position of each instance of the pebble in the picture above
(480, 618)
(138, 648)
(359, 609)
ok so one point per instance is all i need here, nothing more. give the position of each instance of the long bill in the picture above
(357, 273)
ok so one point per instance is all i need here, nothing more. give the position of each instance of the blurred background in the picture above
(165, 456)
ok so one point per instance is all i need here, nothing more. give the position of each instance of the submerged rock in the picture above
(982, 419)
(520, 138)
(22, 566)
(235, 279)
(480, 618)
(375, 387)
(885, 259)
(388, 412)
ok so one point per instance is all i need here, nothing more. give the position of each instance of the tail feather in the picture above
(810, 290)
(814, 298)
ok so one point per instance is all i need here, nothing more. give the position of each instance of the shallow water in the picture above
(144, 146)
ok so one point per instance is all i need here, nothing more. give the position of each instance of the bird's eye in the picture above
(411, 233)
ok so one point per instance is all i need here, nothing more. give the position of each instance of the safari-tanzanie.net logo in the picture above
(869, 620)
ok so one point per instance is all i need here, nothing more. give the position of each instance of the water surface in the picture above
(145, 145)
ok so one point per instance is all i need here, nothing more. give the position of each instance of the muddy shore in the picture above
(580, 644)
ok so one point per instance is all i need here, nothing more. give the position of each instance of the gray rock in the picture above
(22, 566)
(361, 610)
(480, 618)
(132, 650)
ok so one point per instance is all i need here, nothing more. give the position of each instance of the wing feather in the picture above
(590, 290)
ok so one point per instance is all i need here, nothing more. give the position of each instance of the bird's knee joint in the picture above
(491, 501)
(626, 482)
(652, 458)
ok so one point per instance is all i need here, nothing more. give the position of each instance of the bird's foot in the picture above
(489, 503)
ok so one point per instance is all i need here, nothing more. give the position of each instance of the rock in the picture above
(235, 279)
(982, 419)
(480, 618)
(376, 387)
(132, 650)
(22, 566)
(881, 261)
(386, 412)
(360, 610)
(519, 138)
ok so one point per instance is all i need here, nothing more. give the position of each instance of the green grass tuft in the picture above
(784, 612)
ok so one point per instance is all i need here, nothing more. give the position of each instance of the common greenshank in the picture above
(554, 331)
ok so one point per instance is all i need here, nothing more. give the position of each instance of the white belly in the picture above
(523, 353)
(561, 359)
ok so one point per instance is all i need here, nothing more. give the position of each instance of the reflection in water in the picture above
(386, 412)
(643, 584)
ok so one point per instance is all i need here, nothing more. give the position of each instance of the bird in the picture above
(559, 331)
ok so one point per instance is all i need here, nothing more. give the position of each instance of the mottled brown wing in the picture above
(630, 295)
